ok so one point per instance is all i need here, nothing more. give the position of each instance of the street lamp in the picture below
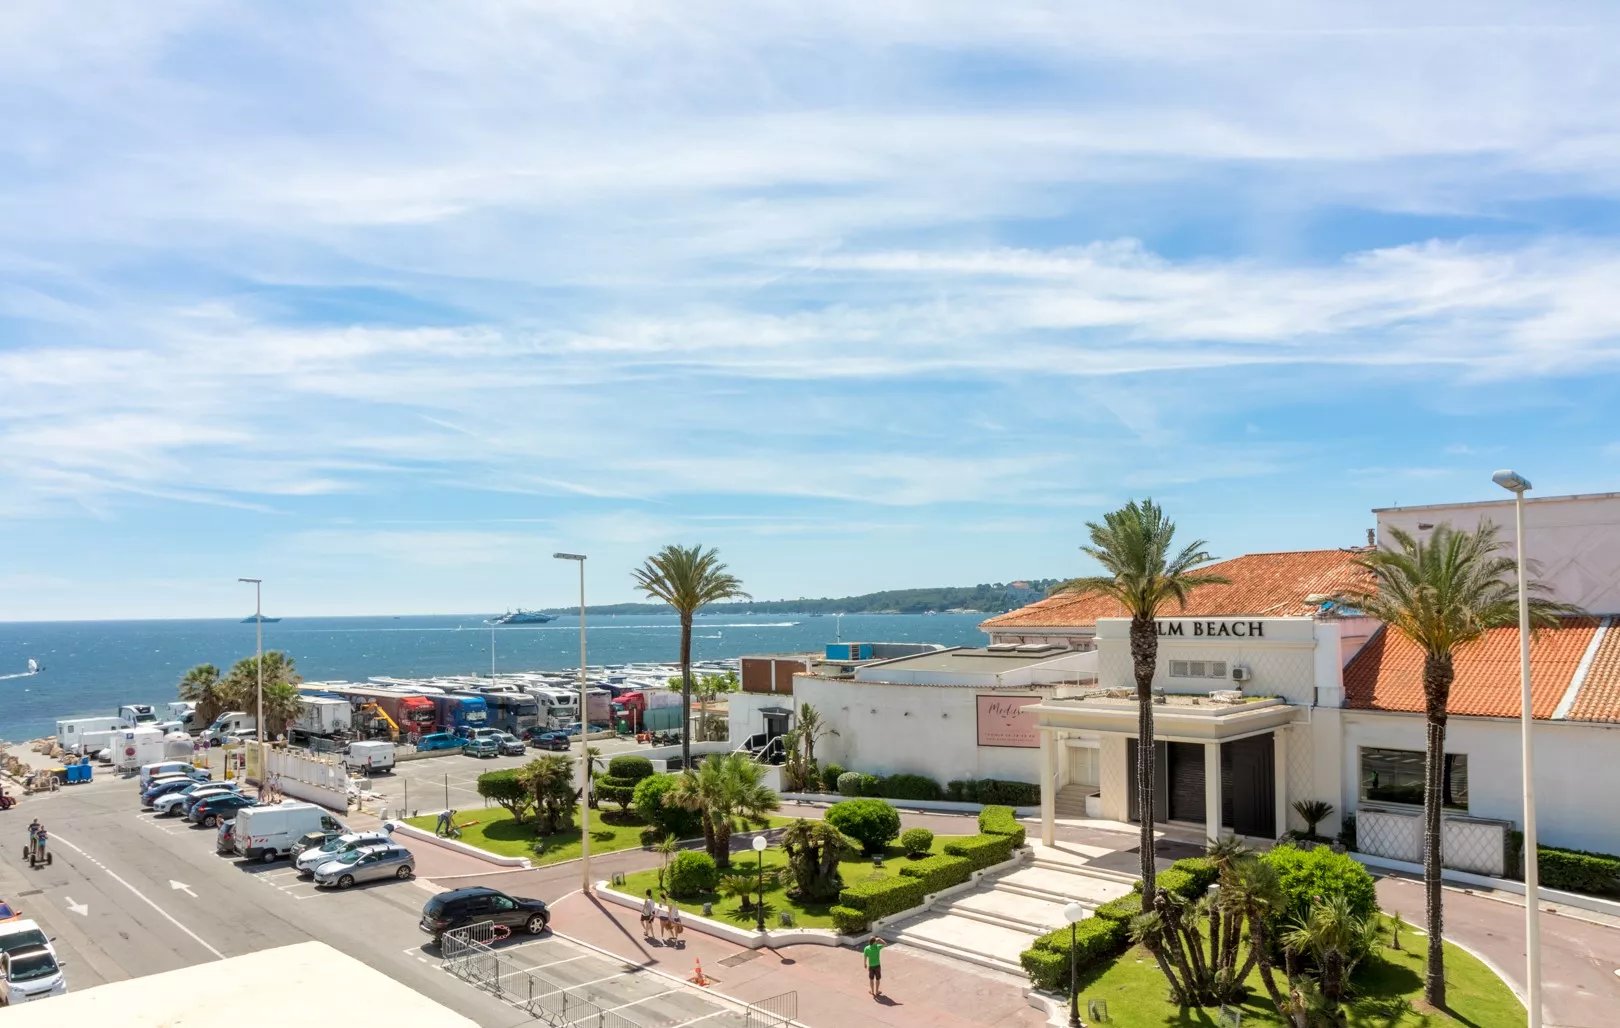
(258, 633)
(584, 732)
(1074, 913)
(1518, 485)
(759, 847)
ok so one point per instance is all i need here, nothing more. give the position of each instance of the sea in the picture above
(92, 667)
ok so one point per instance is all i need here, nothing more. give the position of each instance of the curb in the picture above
(413, 832)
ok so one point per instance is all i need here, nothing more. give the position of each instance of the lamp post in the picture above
(1518, 485)
(1074, 913)
(759, 848)
(258, 633)
(584, 742)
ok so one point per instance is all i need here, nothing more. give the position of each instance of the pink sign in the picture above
(1007, 721)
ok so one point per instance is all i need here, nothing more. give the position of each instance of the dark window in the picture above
(1396, 776)
(502, 903)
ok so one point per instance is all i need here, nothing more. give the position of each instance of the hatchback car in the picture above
(212, 810)
(461, 907)
(225, 838)
(484, 747)
(310, 859)
(439, 741)
(162, 787)
(181, 800)
(550, 741)
(511, 745)
(365, 864)
(34, 973)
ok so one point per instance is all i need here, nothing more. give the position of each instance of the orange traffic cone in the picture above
(698, 978)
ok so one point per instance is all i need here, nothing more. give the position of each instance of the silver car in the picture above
(366, 864)
(315, 856)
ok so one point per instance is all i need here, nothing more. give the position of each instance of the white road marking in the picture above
(82, 909)
(142, 897)
(182, 887)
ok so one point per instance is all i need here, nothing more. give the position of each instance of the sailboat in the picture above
(33, 666)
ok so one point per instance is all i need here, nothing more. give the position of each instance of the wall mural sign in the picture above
(1007, 721)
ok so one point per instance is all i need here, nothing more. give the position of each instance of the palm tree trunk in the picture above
(1437, 677)
(1144, 655)
(686, 689)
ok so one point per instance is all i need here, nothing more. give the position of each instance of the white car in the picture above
(35, 971)
(315, 856)
(174, 803)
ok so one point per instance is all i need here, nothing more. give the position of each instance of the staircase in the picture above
(1070, 801)
(995, 922)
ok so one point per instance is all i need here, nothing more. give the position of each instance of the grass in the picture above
(1389, 994)
(496, 832)
(805, 915)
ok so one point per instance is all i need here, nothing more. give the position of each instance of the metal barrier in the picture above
(469, 954)
(776, 1012)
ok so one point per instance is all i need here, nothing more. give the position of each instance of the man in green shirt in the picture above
(874, 965)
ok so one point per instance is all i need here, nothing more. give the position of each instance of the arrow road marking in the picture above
(182, 887)
(82, 909)
(139, 895)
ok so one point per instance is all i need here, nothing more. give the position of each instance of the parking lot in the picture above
(562, 982)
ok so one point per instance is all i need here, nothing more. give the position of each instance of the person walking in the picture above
(648, 911)
(873, 952)
(675, 926)
(663, 917)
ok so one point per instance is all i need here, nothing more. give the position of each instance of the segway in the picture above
(36, 853)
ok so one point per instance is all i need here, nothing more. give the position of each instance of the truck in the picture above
(72, 733)
(371, 756)
(137, 714)
(461, 714)
(510, 710)
(266, 833)
(558, 707)
(228, 722)
(183, 711)
(412, 714)
(649, 710)
(137, 746)
(321, 717)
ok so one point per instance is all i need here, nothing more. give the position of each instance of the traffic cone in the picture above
(698, 978)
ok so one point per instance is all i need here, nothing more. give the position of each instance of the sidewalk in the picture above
(830, 982)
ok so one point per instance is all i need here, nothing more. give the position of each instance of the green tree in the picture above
(281, 701)
(706, 689)
(812, 729)
(1335, 938)
(202, 685)
(813, 849)
(725, 791)
(687, 578)
(240, 689)
(550, 780)
(509, 789)
(1444, 595)
(1143, 573)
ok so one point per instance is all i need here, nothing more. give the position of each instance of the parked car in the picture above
(365, 864)
(461, 907)
(163, 786)
(511, 745)
(482, 747)
(484, 733)
(172, 767)
(35, 973)
(314, 840)
(549, 740)
(439, 741)
(225, 838)
(178, 801)
(213, 809)
(310, 859)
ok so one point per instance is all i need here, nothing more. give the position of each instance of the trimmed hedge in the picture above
(630, 766)
(871, 786)
(938, 873)
(1307, 874)
(864, 902)
(848, 920)
(849, 783)
(994, 790)
(982, 850)
(1095, 939)
(910, 787)
(1189, 878)
(1000, 821)
(692, 872)
(872, 823)
(1595, 874)
(916, 841)
(618, 784)
(1120, 909)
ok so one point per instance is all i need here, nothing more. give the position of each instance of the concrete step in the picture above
(1010, 910)
(1124, 878)
(1062, 884)
(988, 945)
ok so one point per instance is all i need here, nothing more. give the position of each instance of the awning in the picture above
(776, 711)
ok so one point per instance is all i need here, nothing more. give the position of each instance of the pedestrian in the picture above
(663, 918)
(647, 911)
(675, 926)
(874, 965)
(446, 822)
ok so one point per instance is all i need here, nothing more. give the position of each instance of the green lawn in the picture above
(496, 832)
(1389, 991)
(806, 915)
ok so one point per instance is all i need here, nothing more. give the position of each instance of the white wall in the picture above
(742, 712)
(1575, 807)
(1284, 661)
(1071, 667)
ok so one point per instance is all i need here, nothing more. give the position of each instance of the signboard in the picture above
(1006, 721)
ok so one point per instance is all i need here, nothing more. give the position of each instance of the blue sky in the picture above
(385, 303)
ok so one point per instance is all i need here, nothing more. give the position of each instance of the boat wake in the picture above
(19, 674)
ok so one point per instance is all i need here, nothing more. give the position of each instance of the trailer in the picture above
(643, 710)
(508, 709)
(413, 714)
(461, 714)
(322, 717)
(72, 734)
(138, 746)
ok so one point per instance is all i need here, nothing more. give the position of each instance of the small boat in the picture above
(251, 618)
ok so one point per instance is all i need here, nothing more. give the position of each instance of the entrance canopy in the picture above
(1184, 718)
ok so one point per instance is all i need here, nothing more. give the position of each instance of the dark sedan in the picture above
(549, 741)
(163, 788)
(211, 811)
(461, 907)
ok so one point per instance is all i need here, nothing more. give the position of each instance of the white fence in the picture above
(303, 776)
(1466, 844)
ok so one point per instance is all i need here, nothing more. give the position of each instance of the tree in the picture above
(508, 789)
(813, 849)
(202, 686)
(281, 701)
(812, 729)
(550, 780)
(706, 689)
(687, 578)
(592, 756)
(240, 689)
(1335, 938)
(725, 791)
(1143, 574)
(1444, 595)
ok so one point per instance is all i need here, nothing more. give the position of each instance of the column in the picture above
(1048, 787)
(1212, 790)
(1279, 771)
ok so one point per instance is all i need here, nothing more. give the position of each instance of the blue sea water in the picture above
(91, 667)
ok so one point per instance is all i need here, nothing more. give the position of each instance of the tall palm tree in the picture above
(812, 728)
(687, 578)
(281, 701)
(1143, 574)
(724, 790)
(201, 685)
(1444, 595)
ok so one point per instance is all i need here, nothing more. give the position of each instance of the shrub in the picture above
(872, 823)
(618, 785)
(911, 787)
(1047, 962)
(958, 790)
(692, 872)
(1047, 970)
(938, 873)
(848, 920)
(1596, 874)
(871, 786)
(916, 841)
(982, 850)
(880, 897)
(1121, 909)
(630, 767)
(829, 777)
(1347, 832)
(849, 783)
(1201, 872)
(1013, 794)
(1000, 821)
(1305, 874)
(505, 788)
(672, 822)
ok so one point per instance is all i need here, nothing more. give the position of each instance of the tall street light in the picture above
(1518, 485)
(1074, 913)
(759, 848)
(258, 633)
(584, 742)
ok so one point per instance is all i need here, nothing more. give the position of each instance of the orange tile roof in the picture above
(1273, 584)
(1387, 673)
(1599, 698)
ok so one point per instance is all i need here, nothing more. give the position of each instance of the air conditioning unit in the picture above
(1240, 673)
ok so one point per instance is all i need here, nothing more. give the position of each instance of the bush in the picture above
(982, 850)
(849, 783)
(938, 873)
(672, 822)
(911, 787)
(871, 786)
(848, 920)
(872, 823)
(1047, 962)
(1047, 970)
(1201, 871)
(916, 841)
(692, 872)
(630, 767)
(1347, 832)
(505, 788)
(1121, 909)
(1012, 794)
(829, 777)
(1305, 874)
(880, 897)
(957, 790)
(1000, 821)
(1595, 874)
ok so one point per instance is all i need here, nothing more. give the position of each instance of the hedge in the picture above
(982, 850)
(1120, 909)
(849, 783)
(864, 902)
(994, 790)
(1595, 874)
(1095, 939)
(871, 786)
(910, 787)
(916, 841)
(1000, 821)
(830, 774)
(872, 823)
(938, 873)
(1189, 878)
(692, 872)
(630, 766)
(1201, 870)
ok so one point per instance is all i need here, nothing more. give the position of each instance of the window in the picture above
(501, 903)
(1198, 669)
(1396, 776)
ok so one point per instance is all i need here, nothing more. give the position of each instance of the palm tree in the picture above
(240, 688)
(592, 755)
(687, 578)
(1133, 544)
(813, 849)
(551, 780)
(280, 707)
(201, 685)
(724, 790)
(1444, 595)
(1336, 939)
(812, 729)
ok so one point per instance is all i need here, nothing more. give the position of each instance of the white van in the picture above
(227, 723)
(171, 767)
(378, 755)
(266, 833)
